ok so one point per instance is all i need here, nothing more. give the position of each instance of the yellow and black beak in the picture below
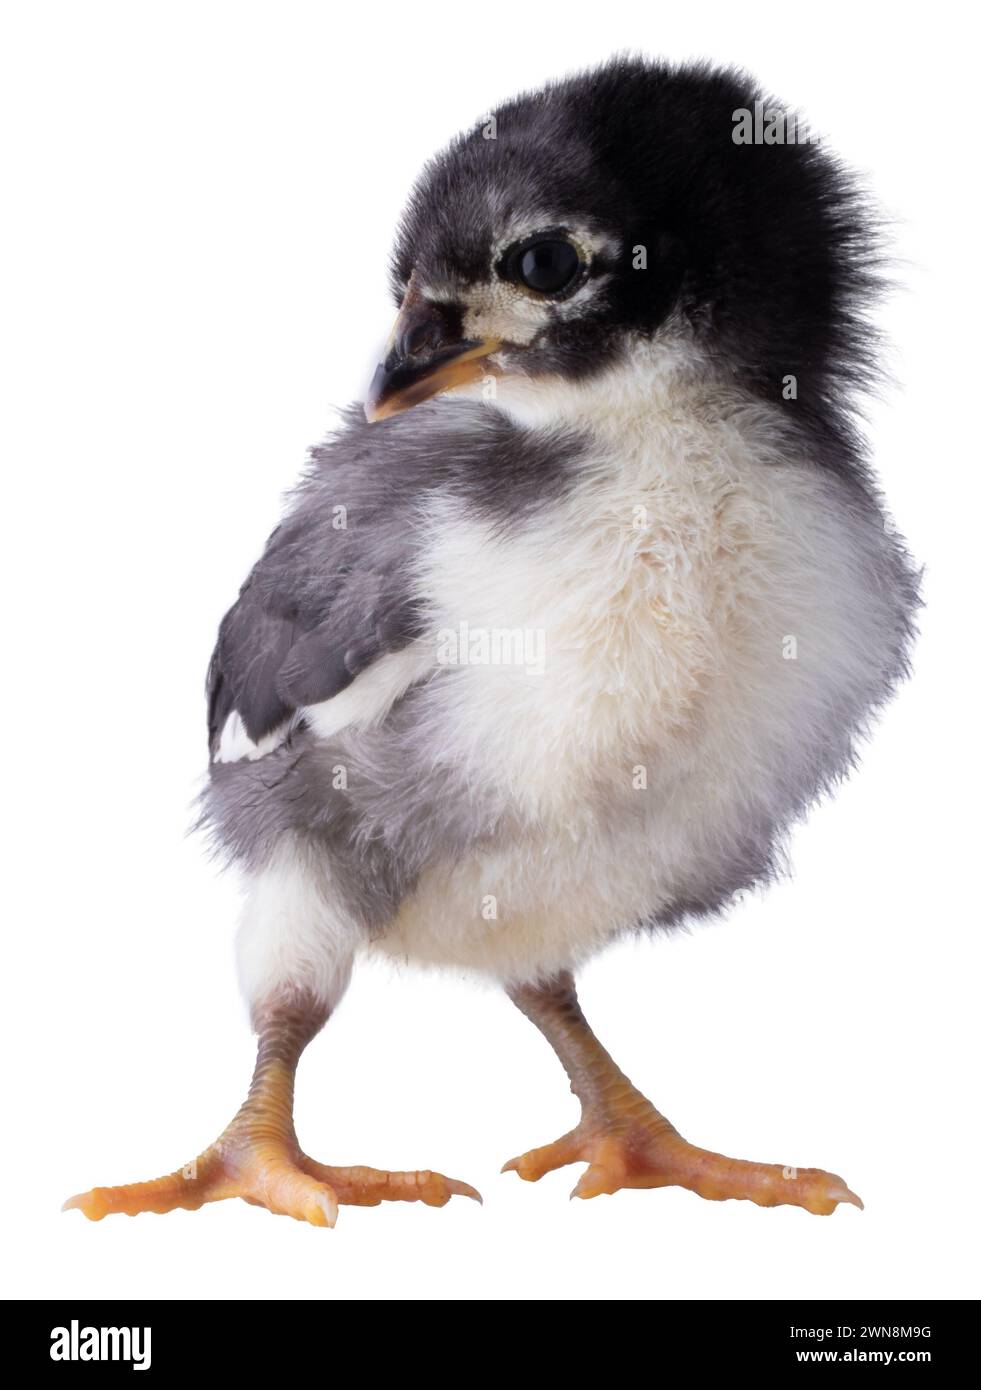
(426, 354)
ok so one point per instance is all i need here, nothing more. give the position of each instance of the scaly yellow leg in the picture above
(627, 1143)
(258, 1158)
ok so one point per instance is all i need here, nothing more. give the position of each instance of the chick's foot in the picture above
(258, 1157)
(272, 1174)
(627, 1143)
(645, 1151)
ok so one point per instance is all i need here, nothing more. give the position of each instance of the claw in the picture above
(523, 1166)
(84, 1202)
(463, 1189)
(324, 1205)
(595, 1182)
(845, 1194)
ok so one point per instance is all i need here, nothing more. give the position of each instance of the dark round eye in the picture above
(546, 266)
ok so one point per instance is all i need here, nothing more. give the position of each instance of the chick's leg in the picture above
(627, 1143)
(257, 1156)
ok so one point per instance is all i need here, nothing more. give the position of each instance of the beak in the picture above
(426, 354)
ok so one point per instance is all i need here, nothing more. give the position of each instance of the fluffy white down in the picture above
(707, 610)
(293, 938)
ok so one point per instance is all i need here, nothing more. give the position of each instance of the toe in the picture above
(820, 1193)
(597, 1181)
(437, 1190)
(367, 1187)
(607, 1171)
(319, 1206)
(261, 1179)
(537, 1162)
(282, 1186)
(180, 1189)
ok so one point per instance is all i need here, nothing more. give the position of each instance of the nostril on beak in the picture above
(423, 335)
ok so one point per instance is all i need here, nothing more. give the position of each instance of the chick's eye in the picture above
(547, 266)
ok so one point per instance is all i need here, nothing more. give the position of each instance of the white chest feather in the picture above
(700, 618)
(647, 677)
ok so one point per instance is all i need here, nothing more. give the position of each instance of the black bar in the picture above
(739, 1338)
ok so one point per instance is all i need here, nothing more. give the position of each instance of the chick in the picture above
(561, 634)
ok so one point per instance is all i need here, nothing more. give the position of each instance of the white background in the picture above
(200, 201)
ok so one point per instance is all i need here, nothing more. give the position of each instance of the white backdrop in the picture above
(200, 201)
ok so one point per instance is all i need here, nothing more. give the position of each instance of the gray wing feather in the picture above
(321, 604)
(334, 589)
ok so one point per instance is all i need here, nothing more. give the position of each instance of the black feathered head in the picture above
(636, 203)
